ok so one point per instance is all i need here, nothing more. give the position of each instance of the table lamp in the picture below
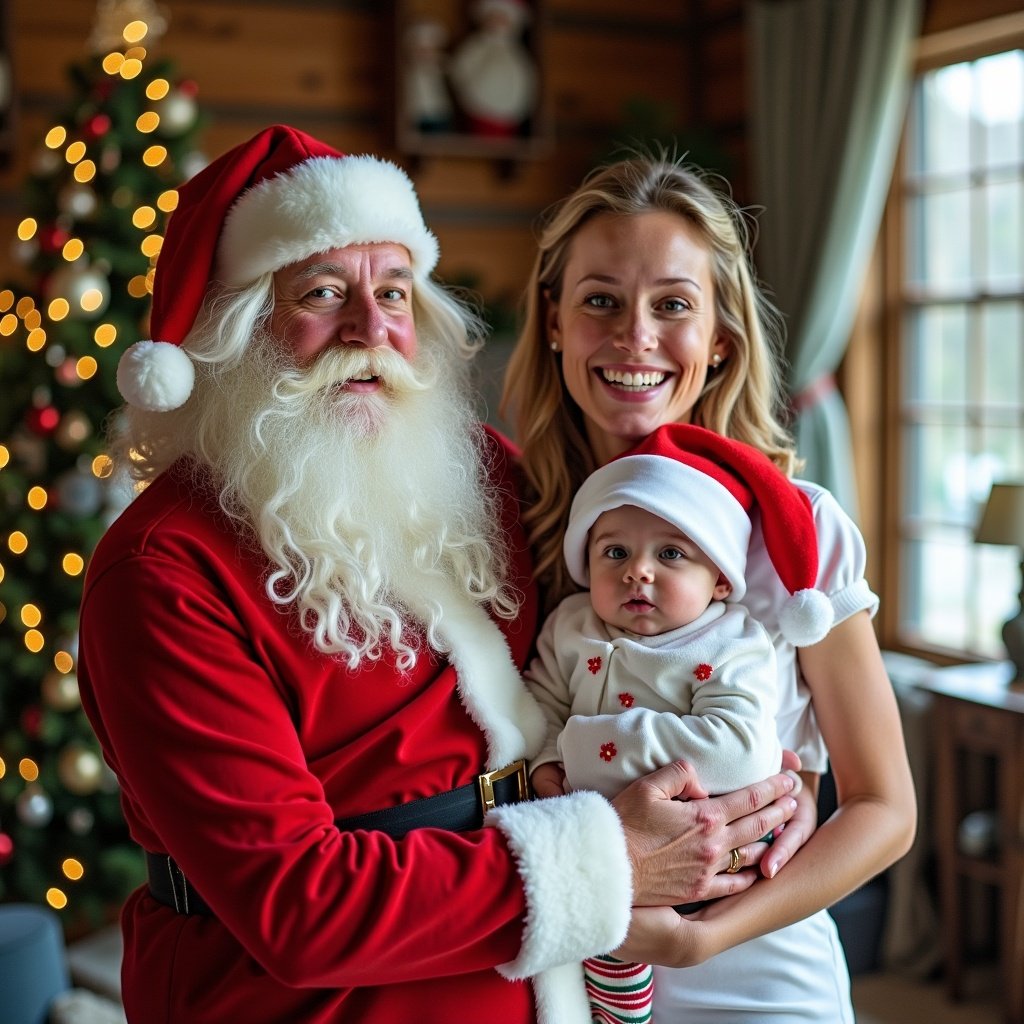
(1002, 522)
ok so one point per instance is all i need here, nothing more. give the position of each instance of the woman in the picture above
(642, 310)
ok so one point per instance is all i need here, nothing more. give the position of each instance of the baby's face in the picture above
(645, 575)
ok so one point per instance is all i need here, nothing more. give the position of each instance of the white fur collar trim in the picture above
(490, 686)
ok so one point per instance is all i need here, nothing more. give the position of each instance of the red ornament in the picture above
(594, 665)
(31, 721)
(608, 751)
(6, 849)
(188, 87)
(43, 420)
(627, 700)
(703, 671)
(97, 126)
(52, 238)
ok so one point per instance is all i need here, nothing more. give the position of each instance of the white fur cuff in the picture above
(571, 854)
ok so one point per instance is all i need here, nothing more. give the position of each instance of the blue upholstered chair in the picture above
(33, 964)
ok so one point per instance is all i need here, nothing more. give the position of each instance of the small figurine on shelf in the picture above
(493, 74)
(428, 104)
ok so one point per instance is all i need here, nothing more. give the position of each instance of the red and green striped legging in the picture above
(619, 993)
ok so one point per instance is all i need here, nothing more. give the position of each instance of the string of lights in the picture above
(101, 184)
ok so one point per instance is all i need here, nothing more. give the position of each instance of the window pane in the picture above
(942, 121)
(1002, 338)
(999, 575)
(1000, 97)
(942, 562)
(999, 457)
(939, 232)
(1005, 261)
(939, 486)
(936, 355)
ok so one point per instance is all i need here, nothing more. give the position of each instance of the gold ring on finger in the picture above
(735, 862)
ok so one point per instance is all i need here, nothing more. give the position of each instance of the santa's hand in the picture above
(679, 840)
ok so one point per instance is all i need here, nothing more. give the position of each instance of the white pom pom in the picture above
(155, 375)
(806, 618)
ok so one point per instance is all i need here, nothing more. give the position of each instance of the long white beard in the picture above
(372, 508)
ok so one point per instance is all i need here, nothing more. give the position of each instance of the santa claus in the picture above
(301, 643)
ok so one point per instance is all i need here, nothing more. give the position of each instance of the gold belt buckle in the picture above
(487, 779)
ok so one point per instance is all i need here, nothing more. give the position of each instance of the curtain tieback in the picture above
(815, 392)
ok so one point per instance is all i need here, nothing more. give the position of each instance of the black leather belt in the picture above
(458, 810)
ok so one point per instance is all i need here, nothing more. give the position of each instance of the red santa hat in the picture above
(269, 202)
(708, 486)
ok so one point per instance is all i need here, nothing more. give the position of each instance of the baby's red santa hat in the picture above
(708, 486)
(269, 202)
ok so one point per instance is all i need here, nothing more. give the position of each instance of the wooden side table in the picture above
(978, 717)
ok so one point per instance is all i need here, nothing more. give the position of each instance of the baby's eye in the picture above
(672, 554)
(616, 552)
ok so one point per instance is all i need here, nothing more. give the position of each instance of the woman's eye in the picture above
(599, 301)
(675, 306)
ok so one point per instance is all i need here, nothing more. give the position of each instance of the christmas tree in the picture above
(101, 184)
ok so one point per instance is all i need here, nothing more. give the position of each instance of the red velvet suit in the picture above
(237, 745)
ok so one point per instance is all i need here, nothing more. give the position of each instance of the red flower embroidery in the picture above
(703, 671)
(627, 700)
(594, 664)
(608, 751)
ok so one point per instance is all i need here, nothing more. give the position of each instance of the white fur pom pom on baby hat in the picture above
(806, 618)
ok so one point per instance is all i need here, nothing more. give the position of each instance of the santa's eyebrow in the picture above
(316, 269)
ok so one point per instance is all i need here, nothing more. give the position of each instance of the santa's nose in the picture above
(364, 323)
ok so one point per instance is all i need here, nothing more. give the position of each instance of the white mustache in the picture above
(339, 365)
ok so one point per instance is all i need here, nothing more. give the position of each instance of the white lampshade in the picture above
(1002, 522)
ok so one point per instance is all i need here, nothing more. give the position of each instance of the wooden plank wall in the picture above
(328, 66)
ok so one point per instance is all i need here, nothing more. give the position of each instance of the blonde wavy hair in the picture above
(741, 399)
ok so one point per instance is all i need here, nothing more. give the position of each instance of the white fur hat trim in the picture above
(320, 204)
(699, 506)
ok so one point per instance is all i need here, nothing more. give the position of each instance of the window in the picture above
(959, 421)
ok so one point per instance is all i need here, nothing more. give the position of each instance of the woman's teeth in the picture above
(633, 380)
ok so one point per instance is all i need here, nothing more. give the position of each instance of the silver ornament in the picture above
(81, 820)
(79, 494)
(77, 282)
(34, 807)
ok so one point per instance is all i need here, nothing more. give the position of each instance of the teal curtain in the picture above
(830, 81)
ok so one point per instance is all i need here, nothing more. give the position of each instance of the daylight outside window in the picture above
(962, 372)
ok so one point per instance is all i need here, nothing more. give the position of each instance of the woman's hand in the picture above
(798, 829)
(658, 935)
(680, 840)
